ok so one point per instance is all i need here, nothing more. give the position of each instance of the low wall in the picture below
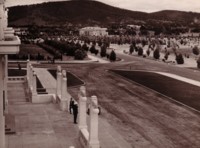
(84, 137)
(43, 98)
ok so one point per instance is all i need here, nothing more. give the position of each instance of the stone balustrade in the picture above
(88, 134)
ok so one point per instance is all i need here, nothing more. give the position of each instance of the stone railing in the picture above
(88, 133)
(32, 87)
(62, 95)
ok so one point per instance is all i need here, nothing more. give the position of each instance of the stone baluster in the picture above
(59, 82)
(82, 108)
(93, 128)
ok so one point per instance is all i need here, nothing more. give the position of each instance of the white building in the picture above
(93, 31)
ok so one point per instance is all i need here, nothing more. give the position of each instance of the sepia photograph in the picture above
(99, 74)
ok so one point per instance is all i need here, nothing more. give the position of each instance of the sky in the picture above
(135, 5)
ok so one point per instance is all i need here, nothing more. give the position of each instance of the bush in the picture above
(92, 49)
(179, 58)
(140, 51)
(103, 51)
(80, 54)
(195, 50)
(112, 56)
(156, 54)
(131, 50)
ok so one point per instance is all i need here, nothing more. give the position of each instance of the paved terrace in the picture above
(45, 126)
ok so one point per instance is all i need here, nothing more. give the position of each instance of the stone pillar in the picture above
(2, 118)
(59, 82)
(82, 108)
(1, 21)
(6, 18)
(34, 88)
(63, 101)
(6, 80)
(28, 71)
(5, 77)
(93, 129)
(34, 83)
(31, 77)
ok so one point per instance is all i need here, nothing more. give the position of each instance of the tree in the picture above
(156, 54)
(112, 56)
(179, 58)
(140, 51)
(92, 49)
(195, 50)
(80, 54)
(131, 50)
(103, 51)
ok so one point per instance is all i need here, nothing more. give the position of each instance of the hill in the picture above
(87, 13)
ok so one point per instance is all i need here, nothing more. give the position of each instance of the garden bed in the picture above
(72, 80)
(183, 92)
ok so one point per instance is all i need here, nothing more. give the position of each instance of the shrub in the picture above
(140, 51)
(112, 56)
(92, 49)
(156, 54)
(179, 58)
(80, 54)
(131, 50)
(103, 51)
(195, 50)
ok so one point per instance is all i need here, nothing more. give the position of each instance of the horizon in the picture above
(137, 5)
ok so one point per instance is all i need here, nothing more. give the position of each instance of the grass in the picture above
(181, 91)
(72, 80)
(32, 49)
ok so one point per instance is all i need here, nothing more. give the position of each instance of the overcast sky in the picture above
(136, 5)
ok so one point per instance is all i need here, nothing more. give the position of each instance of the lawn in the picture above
(32, 49)
(72, 80)
(181, 91)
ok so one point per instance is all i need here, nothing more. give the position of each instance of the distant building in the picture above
(93, 31)
(135, 27)
(190, 34)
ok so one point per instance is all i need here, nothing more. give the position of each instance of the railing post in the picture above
(59, 81)
(82, 108)
(31, 77)
(63, 102)
(93, 129)
(1, 21)
(34, 83)
(28, 71)
(2, 118)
